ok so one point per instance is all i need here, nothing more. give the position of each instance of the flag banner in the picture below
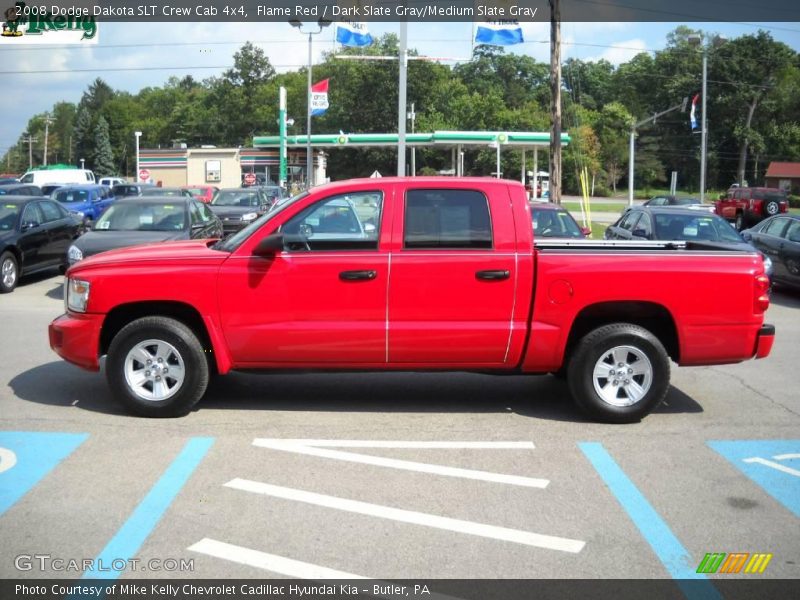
(498, 33)
(353, 33)
(319, 98)
(692, 113)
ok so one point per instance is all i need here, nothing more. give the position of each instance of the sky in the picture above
(130, 56)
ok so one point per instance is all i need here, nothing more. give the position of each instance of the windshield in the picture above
(8, 216)
(709, 228)
(71, 195)
(150, 216)
(236, 198)
(231, 243)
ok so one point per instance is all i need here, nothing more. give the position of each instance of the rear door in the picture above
(453, 276)
(33, 238)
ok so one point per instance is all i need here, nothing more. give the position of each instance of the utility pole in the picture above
(555, 101)
(401, 99)
(413, 116)
(47, 121)
(30, 141)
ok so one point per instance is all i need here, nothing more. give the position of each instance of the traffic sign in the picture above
(144, 174)
(250, 178)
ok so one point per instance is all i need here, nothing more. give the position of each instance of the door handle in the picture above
(357, 275)
(493, 275)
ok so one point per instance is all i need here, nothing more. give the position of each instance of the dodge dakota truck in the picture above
(412, 274)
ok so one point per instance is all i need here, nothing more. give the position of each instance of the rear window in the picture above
(447, 219)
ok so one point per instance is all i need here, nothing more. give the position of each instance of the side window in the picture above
(346, 222)
(194, 213)
(50, 211)
(628, 221)
(793, 231)
(737, 194)
(644, 227)
(31, 214)
(205, 212)
(447, 219)
(775, 227)
(657, 202)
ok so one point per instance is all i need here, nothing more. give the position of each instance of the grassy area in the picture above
(794, 211)
(598, 229)
(711, 195)
(614, 207)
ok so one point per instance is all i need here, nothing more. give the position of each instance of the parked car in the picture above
(680, 224)
(165, 191)
(49, 188)
(133, 221)
(111, 181)
(123, 190)
(236, 207)
(553, 221)
(20, 189)
(746, 206)
(451, 279)
(681, 201)
(204, 193)
(86, 201)
(6, 180)
(779, 238)
(35, 233)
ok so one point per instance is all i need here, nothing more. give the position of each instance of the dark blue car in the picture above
(86, 201)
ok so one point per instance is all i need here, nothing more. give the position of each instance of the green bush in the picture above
(794, 201)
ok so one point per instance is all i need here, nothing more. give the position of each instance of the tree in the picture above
(103, 156)
(81, 134)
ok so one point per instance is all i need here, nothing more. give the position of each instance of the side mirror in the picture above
(270, 245)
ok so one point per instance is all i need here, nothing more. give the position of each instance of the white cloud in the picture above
(621, 52)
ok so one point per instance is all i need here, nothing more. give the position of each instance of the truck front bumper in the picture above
(764, 340)
(76, 339)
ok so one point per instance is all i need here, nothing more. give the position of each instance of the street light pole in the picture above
(322, 24)
(704, 126)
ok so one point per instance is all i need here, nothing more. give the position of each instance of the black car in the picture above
(237, 207)
(123, 190)
(20, 189)
(779, 238)
(679, 224)
(678, 201)
(35, 233)
(144, 220)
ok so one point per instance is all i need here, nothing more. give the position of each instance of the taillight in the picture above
(761, 295)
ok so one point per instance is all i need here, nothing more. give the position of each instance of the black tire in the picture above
(9, 271)
(633, 344)
(771, 208)
(186, 350)
(739, 223)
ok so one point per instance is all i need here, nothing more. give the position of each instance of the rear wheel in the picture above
(156, 367)
(619, 373)
(9, 272)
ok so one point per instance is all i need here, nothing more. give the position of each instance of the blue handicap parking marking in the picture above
(772, 464)
(26, 457)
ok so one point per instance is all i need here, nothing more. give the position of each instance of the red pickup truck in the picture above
(411, 274)
(746, 206)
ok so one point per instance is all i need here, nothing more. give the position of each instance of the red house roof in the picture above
(788, 170)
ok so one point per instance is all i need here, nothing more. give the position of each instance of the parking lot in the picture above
(395, 475)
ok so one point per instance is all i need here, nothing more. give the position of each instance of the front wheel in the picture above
(619, 373)
(156, 367)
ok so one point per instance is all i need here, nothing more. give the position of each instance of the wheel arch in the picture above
(650, 315)
(187, 314)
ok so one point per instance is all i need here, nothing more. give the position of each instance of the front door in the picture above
(322, 300)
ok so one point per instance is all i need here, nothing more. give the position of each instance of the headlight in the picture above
(78, 213)
(249, 216)
(74, 254)
(77, 295)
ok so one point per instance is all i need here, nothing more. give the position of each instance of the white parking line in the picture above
(268, 562)
(318, 448)
(516, 536)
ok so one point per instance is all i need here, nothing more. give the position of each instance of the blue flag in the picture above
(353, 33)
(498, 33)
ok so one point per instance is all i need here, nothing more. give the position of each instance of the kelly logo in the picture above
(28, 24)
(720, 562)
